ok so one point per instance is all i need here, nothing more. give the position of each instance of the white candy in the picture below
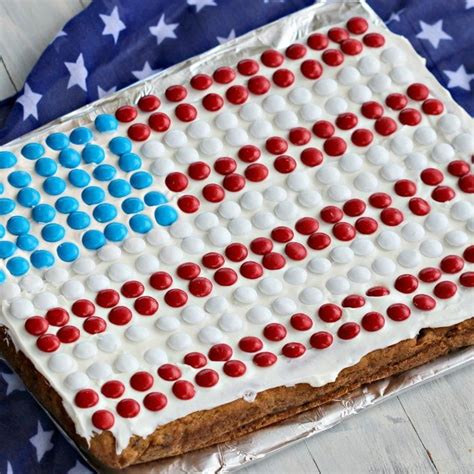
(359, 274)
(442, 153)
(360, 94)
(366, 182)
(325, 87)
(310, 112)
(230, 322)
(236, 137)
(286, 119)
(135, 245)
(199, 129)
(239, 226)
(99, 371)
(21, 308)
(186, 155)
(73, 289)
(335, 106)
(210, 335)
(108, 342)
(167, 323)
(61, 363)
(126, 363)
(251, 200)
(211, 146)
(216, 305)
(388, 240)
(299, 96)
(436, 222)
(259, 314)
(270, 286)
(206, 221)
(119, 272)
(401, 75)
(339, 192)
(152, 149)
(456, 238)
(97, 282)
(84, 350)
(226, 121)
(245, 294)
(461, 210)
(416, 161)
(464, 143)
(413, 232)
(193, 314)
(401, 144)
(180, 230)
(341, 254)
(192, 245)
(274, 194)
(286, 210)
(295, 276)
(310, 296)
(348, 75)
(229, 210)
(250, 112)
(384, 266)
(425, 135)
(449, 123)
(179, 341)
(377, 155)
(45, 300)
(263, 220)
(76, 381)
(338, 285)
(136, 333)
(431, 248)
(83, 266)
(147, 264)
(162, 167)
(283, 305)
(362, 247)
(328, 175)
(350, 162)
(170, 255)
(298, 181)
(31, 283)
(261, 129)
(380, 82)
(368, 65)
(309, 198)
(319, 265)
(108, 253)
(155, 357)
(9, 290)
(393, 55)
(409, 258)
(391, 172)
(219, 236)
(175, 138)
(470, 224)
(56, 276)
(274, 103)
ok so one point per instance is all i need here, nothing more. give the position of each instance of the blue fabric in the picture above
(440, 31)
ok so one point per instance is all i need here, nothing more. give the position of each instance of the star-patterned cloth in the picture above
(114, 43)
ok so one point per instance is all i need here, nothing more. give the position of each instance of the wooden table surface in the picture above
(429, 429)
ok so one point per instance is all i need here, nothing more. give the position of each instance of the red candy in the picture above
(188, 204)
(213, 193)
(343, 231)
(36, 325)
(321, 340)
(250, 344)
(373, 321)
(335, 146)
(176, 181)
(329, 313)
(161, 280)
(103, 419)
(445, 289)
(406, 283)
(273, 261)
(258, 85)
(275, 332)
(146, 305)
(284, 164)
(424, 302)
(234, 368)
(357, 25)
(366, 225)
(237, 94)
(419, 206)
(283, 78)
(353, 301)
(68, 334)
(346, 121)
(332, 57)
(293, 350)
(311, 69)
(396, 101)
(86, 398)
(362, 137)
(139, 132)
(207, 378)
(169, 372)
(373, 40)
(338, 34)
(348, 331)
(377, 291)
(176, 298)
(301, 322)
(452, 264)
(351, 47)
(224, 75)
(126, 113)
(94, 325)
(132, 289)
(120, 315)
(176, 93)
(236, 252)
(199, 170)
(432, 107)
(272, 58)
(251, 270)
(249, 153)
(409, 117)
(264, 359)
(295, 51)
(398, 312)
(380, 200)
(247, 67)
(323, 129)
(418, 91)
(201, 82)
(282, 234)
(113, 389)
(295, 251)
(299, 136)
(200, 287)
(48, 343)
(225, 276)
(443, 193)
(128, 408)
(155, 401)
(212, 260)
(306, 225)
(372, 110)
(83, 308)
(276, 145)
(319, 240)
(385, 126)
(57, 316)
(391, 216)
(220, 352)
(429, 274)
(261, 245)
(141, 381)
(317, 41)
(255, 172)
(159, 122)
(185, 112)
(405, 187)
(195, 360)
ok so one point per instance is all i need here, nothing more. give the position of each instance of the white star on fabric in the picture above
(9, 468)
(145, 72)
(60, 34)
(104, 93)
(395, 16)
(79, 468)
(113, 24)
(459, 78)
(433, 33)
(469, 4)
(200, 4)
(78, 73)
(163, 30)
(29, 101)
(42, 442)
(223, 39)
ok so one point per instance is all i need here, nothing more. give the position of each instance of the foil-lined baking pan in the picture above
(256, 446)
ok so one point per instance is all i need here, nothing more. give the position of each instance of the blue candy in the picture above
(69, 158)
(19, 179)
(18, 266)
(2, 231)
(129, 162)
(105, 123)
(93, 239)
(27, 242)
(66, 205)
(52, 232)
(2, 188)
(78, 220)
(28, 197)
(43, 213)
(54, 185)
(120, 145)
(46, 167)
(132, 205)
(155, 198)
(57, 141)
(33, 151)
(42, 259)
(2, 276)
(119, 188)
(141, 223)
(80, 136)
(18, 225)
(7, 159)
(93, 195)
(79, 178)
(104, 212)
(6, 206)
(104, 172)
(141, 180)
(67, 251)
(115, 231)
(92, 153)
(165, 215)
(7, 248)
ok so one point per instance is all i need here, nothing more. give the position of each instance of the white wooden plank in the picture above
(27, 27)
(7, 87)
(381, 439)
(442, 413)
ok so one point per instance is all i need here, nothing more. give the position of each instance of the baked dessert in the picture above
(240, 247)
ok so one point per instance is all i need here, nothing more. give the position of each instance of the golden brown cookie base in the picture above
(235, 419)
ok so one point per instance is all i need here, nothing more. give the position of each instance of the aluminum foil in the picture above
(240, 453)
